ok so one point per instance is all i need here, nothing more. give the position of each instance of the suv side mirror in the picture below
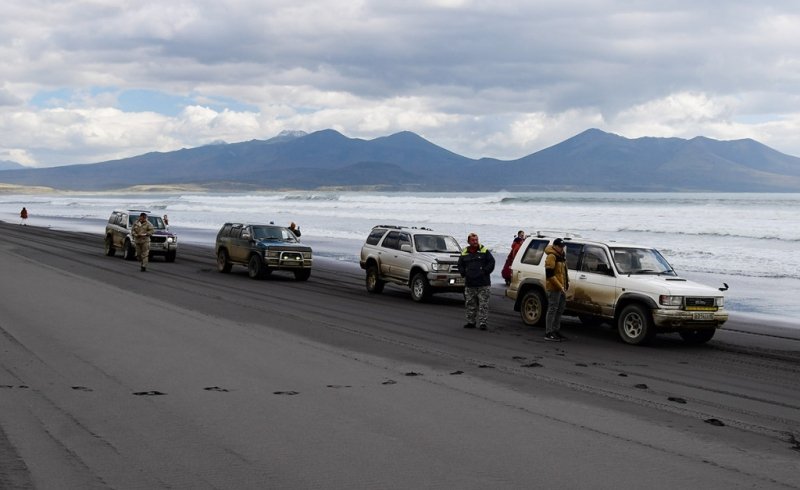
(405, 247)
(245, 236)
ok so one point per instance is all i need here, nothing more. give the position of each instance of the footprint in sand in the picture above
(389, 382)
(456, 373)
(581, 364)
(290, 393)
(641, 386)
(412, 373)
(486, 366)
(338, 386)
(716, 422)
(216, 388)
(148, 393)
(623, 375)
(81, 388)
(532, 365)
(676, 399)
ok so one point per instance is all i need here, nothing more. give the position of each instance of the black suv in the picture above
(118, 235)
(262, 249)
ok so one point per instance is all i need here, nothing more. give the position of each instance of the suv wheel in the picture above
(109, 246)
(420, 289)
(255, 267)
(533, 308)
(223, 265)
(302, 274)
(128, 250)
(635, 325)
(374, 283)
(699, 336)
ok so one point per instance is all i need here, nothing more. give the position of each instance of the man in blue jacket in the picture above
(476, 265)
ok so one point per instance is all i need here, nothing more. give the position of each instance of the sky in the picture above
(95, 80)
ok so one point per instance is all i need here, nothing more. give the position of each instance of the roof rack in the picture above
(400, 227)
(550, 233)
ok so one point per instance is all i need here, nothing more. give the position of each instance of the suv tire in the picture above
(533, 308)
(635, 325)
(128, 250)
(420, 289)
(223, 264)
(374, 283)
(255, 267)
(109, 246)
(302, 275)
(699, 336)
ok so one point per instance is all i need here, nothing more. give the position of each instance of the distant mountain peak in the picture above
(287, 135)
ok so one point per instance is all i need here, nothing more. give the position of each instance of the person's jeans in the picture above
(556, 301)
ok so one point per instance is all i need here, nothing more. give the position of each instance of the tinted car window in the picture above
(595, 260)
(392, 240)
(375, 236)
(573, 254)
(534, 252)
(404, 239)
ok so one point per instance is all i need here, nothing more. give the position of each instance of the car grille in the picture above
(158, 239)
(699, 301)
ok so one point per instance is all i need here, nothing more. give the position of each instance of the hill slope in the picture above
(592, 160)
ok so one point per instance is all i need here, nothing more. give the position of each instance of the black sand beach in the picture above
(182, 377)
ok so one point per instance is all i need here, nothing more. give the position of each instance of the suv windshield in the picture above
(436, 243)
(156, 221)
(640, 261)
(273, 233)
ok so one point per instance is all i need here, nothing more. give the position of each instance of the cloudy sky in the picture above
(94, 80)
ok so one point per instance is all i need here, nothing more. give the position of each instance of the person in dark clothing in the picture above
(476, 264)
(295, 229)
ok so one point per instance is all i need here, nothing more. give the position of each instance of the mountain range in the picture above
(590, 161)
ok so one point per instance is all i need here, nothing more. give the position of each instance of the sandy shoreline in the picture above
(186, 378)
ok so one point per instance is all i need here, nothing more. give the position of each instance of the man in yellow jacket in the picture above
(556, 285)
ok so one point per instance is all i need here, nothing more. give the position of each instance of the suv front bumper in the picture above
(446, 281)
(682, 319)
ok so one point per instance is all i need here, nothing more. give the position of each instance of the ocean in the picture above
(749, 241)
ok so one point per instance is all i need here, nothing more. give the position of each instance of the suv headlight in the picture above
(307, 255)
(171, 239)
(666, 300)
(719, 301)
(438, 267)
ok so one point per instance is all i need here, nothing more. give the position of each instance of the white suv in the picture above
(423, 260)
(630, 285)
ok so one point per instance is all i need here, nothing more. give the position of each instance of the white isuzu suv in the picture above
(632, 286)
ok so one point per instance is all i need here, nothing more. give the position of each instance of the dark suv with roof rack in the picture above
(418, 258)
(262, 249)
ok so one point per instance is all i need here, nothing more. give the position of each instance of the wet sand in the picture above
(182, 377)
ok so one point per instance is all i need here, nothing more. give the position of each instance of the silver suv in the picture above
(118, 235)
(262, 249)
(632, 286)
(418, 258)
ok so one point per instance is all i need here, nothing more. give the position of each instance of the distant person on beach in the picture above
(23, 216)
(295, 229)
(142, 229)
(166, 222)
(506, 272)
(476, 265)
(556, 285)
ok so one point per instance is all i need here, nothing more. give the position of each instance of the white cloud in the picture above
(502, 79)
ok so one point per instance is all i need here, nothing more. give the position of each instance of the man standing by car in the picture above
(556, 285)
(141, 231)
(476, 264)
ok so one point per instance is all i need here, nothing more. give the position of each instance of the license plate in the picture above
(702, 316)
